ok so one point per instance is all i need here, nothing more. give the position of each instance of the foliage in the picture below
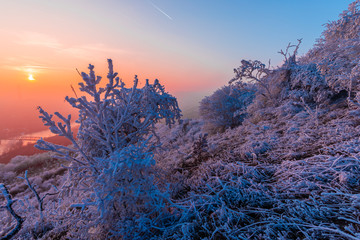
(226, 107)
(336, 53)
(115, 118)
(111, 159)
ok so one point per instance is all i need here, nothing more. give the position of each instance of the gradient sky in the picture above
(190, 46)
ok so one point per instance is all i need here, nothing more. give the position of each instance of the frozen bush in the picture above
(295, 81)
(116, 117)
(198, 155)
(309, 84)
(111, 158)
(226, 107)
(138, 208)
(271, 85)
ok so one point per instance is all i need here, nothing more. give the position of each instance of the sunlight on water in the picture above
(7, 145)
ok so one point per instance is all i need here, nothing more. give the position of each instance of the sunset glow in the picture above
(191, 47)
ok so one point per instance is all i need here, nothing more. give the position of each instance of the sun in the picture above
(31, 78)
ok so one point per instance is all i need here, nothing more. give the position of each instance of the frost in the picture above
(275, 156)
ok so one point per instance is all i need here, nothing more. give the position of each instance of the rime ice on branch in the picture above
(111, 157)
(10, 209)
(115, 117)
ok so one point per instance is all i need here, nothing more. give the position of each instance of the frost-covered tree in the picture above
(116, 116)
(337, 51)
(110, 176)
(226, 107)
(295, 81)
(252, 71)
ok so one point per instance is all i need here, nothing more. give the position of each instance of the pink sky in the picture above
(190, 46)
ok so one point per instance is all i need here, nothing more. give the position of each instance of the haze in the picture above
(190, 46)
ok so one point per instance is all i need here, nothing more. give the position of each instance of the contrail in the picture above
(160, 10)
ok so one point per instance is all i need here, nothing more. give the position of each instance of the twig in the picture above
(9, 204)
(72, 88)
(40, 200)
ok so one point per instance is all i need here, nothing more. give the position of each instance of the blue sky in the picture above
(191, 46)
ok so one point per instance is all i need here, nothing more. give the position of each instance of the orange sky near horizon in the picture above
(49, 41)
(191, 47)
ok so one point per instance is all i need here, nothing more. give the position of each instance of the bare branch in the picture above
(9, 204)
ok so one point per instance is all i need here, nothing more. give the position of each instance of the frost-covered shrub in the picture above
(226, 107)
(135, 207)
(200, 149)
(118, 116)
(296, 82)
(270, 86)
(308, 83)
(110, 176)
(337, 51)
(199, 154)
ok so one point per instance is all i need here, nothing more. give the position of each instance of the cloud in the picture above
(87, 51)
(28, 68)
(55, 47)
(102, 48)
(38, 39)
(78, 51)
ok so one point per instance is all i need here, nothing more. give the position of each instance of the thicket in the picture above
(336, 52)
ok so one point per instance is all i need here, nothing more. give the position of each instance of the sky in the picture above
(192, 46)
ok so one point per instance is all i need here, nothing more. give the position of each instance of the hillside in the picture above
(276, 155)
